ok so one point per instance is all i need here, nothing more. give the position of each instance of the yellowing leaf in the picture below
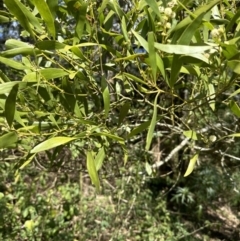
(191, 165)
(191, 134)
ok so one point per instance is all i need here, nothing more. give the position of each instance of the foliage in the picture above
(112, 87)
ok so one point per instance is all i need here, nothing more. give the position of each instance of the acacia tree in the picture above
(98, 78)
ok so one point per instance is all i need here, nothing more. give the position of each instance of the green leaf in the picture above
(12, 63)
(152, 55)
(123, 112)
(10, 105)
(124, 28)
(106, 96)
(8, 140)
(191, 134)
(6, 87)
(234, 65)
(152, 125)
(50, 45)
(53, 6)
(49, 73)
(99, 158)
(186, 37)
(175, 69)
(153, 5)
(27, 162)
(24, 16)
(141, 40)
(202, 9)
(92, 170)
(182, 49)
(148, 168)
(233, 21)
(234, 108)
(191, 165)
(46, 15)
(78, 10)
(51, 143)
(140, 128)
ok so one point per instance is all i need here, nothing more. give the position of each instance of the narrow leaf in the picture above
(106, 96)
(234, 108)
(46, 15)
(191, 165)
(10, 105)
(12, 63)
(92, 170)
(189, 32)
(99, 158)
(152, 55)
(152, 125)
(181, 49)
(51, 143)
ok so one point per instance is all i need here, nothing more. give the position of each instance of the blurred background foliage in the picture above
(119, 120)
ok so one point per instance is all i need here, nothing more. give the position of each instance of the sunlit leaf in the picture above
(51, 143)
(191, 165)
(91, 167)
(8, 139)
(191, 134)
(47, 16)
(99, 158)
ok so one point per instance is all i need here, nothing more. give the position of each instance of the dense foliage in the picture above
(130, 96)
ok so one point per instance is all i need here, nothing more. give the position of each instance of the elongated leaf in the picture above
(189, 32)
(27, 162)
(15, 9)
(46, 15)
(140, 128)
(233, 20)
(234, 108)
(51, 143)
(8, 139)
(22, 51)
(234, 65)
(175, 69)
(106, 96)
(152, 56)
(182, 49)
(12, 63)
(141, 40)
(152, 125)
(5, 88)
(50, 73)
(53, 6)
(191, 165)
(153, 5)
(10, 105)
(99, 158)
(92, 170)
(199, 11)
(50, 45)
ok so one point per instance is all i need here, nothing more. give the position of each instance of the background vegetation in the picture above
(119, 120)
